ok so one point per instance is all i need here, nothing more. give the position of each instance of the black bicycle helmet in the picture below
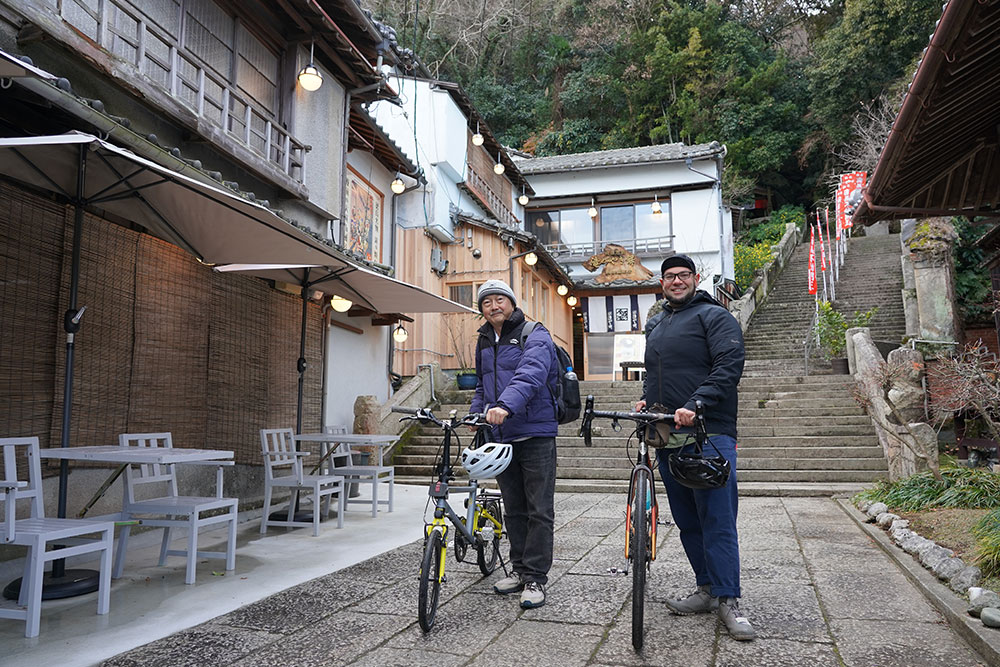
(697, 471)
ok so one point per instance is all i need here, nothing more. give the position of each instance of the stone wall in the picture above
(767, 278)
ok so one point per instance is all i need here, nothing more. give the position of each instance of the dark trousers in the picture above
(528, 486)
(706, 519)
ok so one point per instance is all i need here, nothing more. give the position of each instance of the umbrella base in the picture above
(71, 584)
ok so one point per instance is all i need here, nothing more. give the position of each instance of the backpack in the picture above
(567, 388)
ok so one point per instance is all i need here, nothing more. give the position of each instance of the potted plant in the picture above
(458, 326)
(831, 329)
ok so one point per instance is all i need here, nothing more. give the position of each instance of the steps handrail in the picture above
(811, 335)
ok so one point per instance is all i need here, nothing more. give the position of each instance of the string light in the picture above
(400, 334)
(477, 138)
(531, 259)
(571, 300)
(592, 211)
(498, 168)
(523, 199)
(657, 209)
(562, 290)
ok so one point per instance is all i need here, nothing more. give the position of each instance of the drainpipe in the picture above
(421, 180)
(717, 186)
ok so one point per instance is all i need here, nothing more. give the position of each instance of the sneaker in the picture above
(736, 623)
(533, 595)
(700, 602)
(512, 584)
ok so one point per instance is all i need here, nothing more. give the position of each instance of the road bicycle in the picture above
(642, 511)
(481, 527)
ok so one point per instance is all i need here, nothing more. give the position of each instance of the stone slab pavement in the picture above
(817, 586)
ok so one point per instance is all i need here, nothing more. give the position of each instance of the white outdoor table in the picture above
(124, 456)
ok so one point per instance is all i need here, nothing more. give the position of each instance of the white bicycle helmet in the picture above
(487, 461)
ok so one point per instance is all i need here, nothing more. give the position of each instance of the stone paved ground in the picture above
(818, 589)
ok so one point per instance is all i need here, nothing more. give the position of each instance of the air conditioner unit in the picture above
(440, 233)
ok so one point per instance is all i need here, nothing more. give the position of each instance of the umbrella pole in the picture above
(63, 583)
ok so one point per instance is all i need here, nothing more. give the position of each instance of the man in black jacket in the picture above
(694, 352)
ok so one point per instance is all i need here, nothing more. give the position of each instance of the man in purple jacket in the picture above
(517, 389)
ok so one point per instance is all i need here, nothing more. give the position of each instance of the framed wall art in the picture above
(364, 217)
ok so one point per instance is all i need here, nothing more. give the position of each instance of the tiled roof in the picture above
(619, 156)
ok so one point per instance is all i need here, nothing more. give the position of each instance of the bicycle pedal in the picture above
(616, 571)
(664, 522)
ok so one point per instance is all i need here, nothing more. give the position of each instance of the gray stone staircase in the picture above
(799, 435)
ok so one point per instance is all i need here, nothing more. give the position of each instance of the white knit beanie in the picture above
(495, 287)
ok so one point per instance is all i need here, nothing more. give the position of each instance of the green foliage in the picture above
(961, 488)
(987, 533)
(789, 213)
(832, 327)
(972, 281)
(747, 259)
(871, 50)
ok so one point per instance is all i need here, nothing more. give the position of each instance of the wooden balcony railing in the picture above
(654, 246)
(493, 202)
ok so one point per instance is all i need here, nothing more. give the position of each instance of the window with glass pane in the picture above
(600, 353)
(649, 225)
(543, 303)
(543, 224)
(575, 226)
(461, 294)
(617, 223)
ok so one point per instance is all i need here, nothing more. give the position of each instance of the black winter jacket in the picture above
(695, 353)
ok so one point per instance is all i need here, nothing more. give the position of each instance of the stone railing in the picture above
(909, 447)
(767, 277)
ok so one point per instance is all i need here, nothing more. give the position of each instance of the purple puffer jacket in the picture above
(523, 383)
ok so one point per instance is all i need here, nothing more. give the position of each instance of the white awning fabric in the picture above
(216, 226)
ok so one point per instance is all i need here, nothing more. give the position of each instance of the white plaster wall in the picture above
(319, 122)
(355, 366)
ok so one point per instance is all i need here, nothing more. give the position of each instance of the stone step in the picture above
(858, 476)
(824, 464)
(752, 451)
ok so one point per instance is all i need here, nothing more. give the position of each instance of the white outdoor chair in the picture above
(170, 509)
(362, 474)
(37, 532)
(283, 470)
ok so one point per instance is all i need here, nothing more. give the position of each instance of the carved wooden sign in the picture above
(619, 264)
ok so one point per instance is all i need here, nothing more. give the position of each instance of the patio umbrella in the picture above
(213, 224)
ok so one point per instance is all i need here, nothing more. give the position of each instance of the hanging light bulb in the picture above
(592, 211)
(397, 185)
(309, 76)
(657, 209)
(562, 290)
(400, 334)
(340, 304)
(477, 138)
(498, 168)
(531, 259)
(523, 199)
(571, 300)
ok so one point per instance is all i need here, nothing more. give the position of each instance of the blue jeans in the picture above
(528, 486)
(706, 519)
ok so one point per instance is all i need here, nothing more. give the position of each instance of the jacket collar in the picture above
(515, 320)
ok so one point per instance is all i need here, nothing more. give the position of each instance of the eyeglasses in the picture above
(671, 277)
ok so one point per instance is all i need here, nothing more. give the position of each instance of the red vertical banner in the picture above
(822, 246)
(812, 260)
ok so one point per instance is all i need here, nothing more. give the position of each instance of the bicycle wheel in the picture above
(430, 580)
(639, 554)
(488, 552)
(461, 545)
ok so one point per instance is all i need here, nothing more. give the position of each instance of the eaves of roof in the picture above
(661, 153)
(942, 155)
(366, 135)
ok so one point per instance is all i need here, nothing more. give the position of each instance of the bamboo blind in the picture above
(166, 343)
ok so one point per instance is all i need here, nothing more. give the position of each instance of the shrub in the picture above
(965, 488)
(832, 328)
(749, 258)
(987, 533)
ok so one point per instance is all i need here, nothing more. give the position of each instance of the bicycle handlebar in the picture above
(638, 417)
(425, 414)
